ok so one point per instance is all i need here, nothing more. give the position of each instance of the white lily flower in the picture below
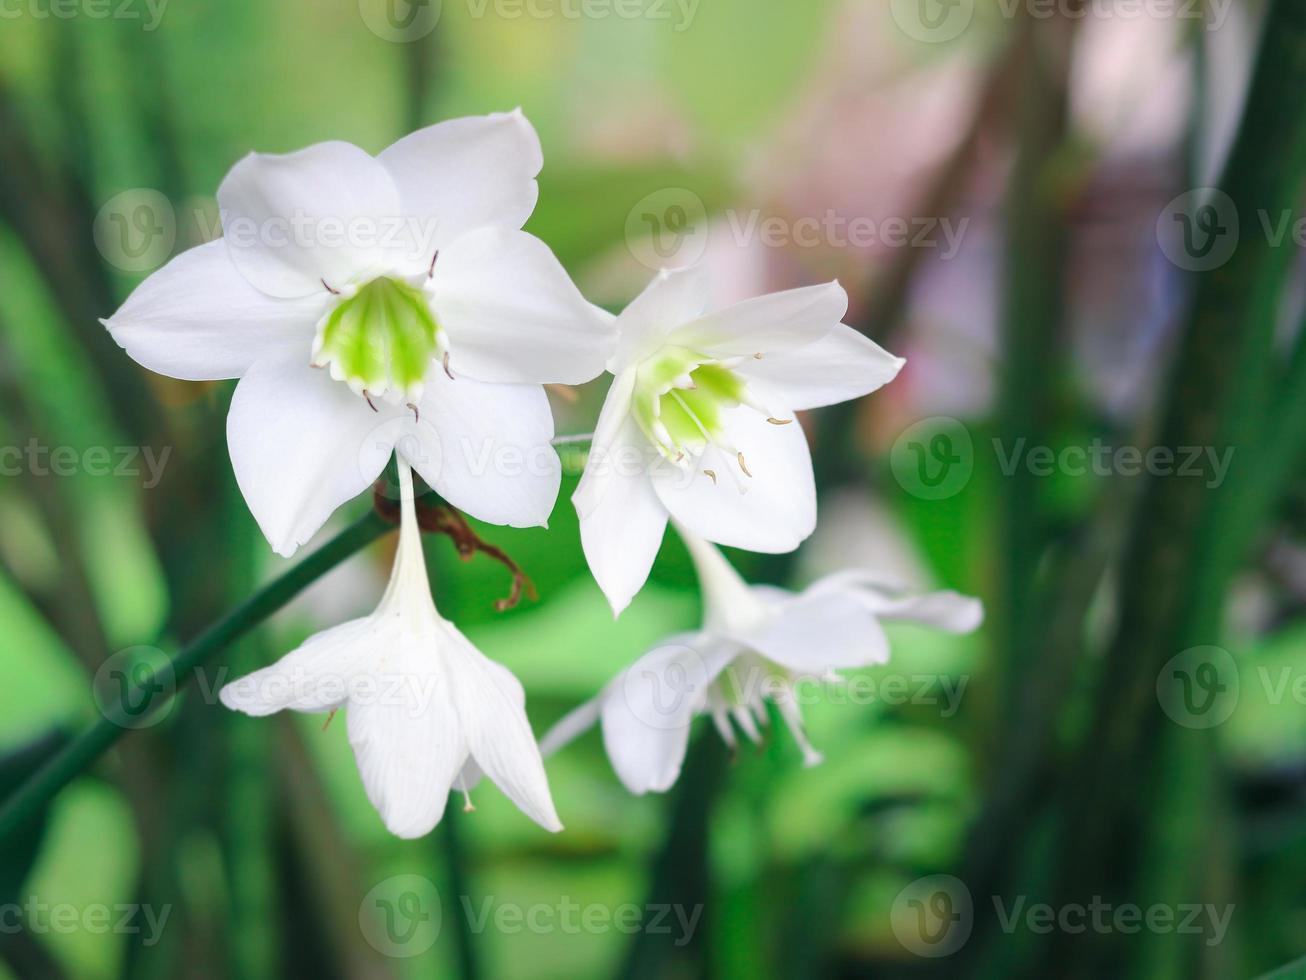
(758, 643)
(699, 422)
(392, 276)
(426, 710)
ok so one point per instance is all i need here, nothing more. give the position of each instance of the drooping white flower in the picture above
(758, 643)
(368, 303)
(426, 711)
(699, 425)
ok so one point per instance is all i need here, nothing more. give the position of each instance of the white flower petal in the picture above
(646, 712)
(199, 319)
(322, 214)
(314, 677)
(512, 313)
(301, 445)
(773, 510)
(673, 298)
(949, 611)
(841, 365)
(406, 736)
(462, 174)
(486, 449)
(491, 709)
(816, 633)
(622, 521)
(774, 322)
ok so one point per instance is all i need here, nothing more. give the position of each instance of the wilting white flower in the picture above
(426, 710)
(348, 292)
(758, 643)
(699, 423)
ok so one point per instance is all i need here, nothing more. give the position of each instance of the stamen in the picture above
(431, 271)
(789, 712)
(743, 465)
(711, 473)
(779, 421)
(417, 416)
(723, 728)
(333, 292)
(329, 717)
(445, 361)
(744, 719)
(757, 356)
(369, 401)
(467, 802)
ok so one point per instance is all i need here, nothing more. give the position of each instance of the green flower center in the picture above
(680, 397)
(380, 339)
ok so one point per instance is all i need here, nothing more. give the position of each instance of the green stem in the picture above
(1188, 539)
(456, 866)
(63, 767)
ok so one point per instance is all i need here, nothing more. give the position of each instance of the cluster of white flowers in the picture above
(432, 344)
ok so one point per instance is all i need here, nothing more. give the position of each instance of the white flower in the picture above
(699, 422)
(426, 710)
(758, 643)
(393, 276)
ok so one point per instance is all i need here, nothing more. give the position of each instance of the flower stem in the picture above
(61, 768)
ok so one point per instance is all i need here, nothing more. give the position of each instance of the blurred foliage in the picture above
(257, 835)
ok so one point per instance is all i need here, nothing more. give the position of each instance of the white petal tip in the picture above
(410, 830)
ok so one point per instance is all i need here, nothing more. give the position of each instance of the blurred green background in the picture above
(1005, 196)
